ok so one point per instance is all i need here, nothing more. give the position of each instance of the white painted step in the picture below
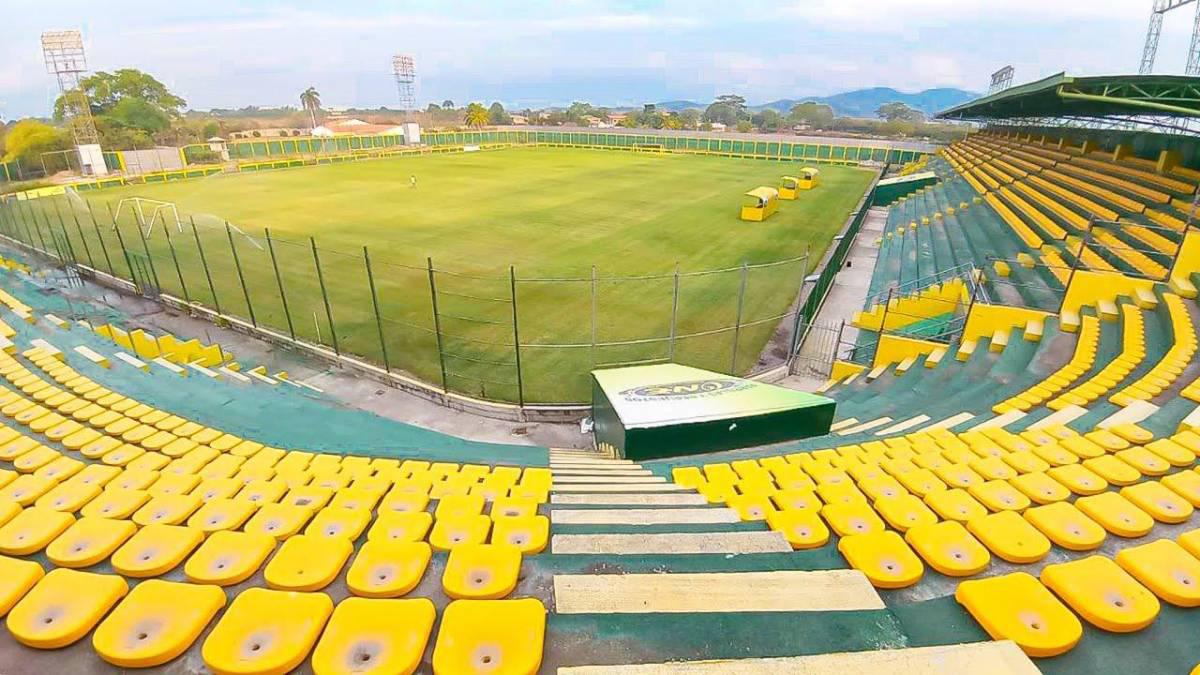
(978, 658)
(605, 471)
(682, 516)
(605, 478)
(668, 499)
(617, 487)
(670, 543)
(779, 591)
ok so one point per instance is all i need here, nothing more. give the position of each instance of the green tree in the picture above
(721, 112)
(816, 115)
(579, 110)
(137, 113)
(106, 90)
(476, 115)
(767, 119)
(310, 100)
(898, 112)
(497, 114)
(737, 103)
(433, 108)
(28, 139)
(448, 104)
(745, 126)
(689, 118)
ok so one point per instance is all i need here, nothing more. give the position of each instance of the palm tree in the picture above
(477, 115)
(311, 100)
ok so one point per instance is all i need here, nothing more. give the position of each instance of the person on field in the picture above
(412, 181)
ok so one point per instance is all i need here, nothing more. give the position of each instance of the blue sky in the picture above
(226, 53)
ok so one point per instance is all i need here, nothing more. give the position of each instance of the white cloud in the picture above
(899, 16)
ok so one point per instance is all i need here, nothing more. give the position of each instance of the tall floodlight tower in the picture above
(65, 59)
(406, 78)
(1001, 79)
(1150, 50)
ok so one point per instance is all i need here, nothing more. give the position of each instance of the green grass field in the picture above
(550, 213)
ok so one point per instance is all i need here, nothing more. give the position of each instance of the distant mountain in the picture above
(857, 103)
(677, 106)
(864, 102)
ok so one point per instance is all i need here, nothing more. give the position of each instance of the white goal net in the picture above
(148, 212)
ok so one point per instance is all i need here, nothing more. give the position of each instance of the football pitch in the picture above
(592, 239)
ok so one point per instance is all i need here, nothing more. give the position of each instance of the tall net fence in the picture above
(495, 334)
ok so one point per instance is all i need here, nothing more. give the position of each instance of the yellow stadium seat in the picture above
(948, 548)
(529, 534)
(904, 511)
(307, 562)
(19, 576)
(227, 558)
(1160, 502)
(221, 514)
(1116, 514)
(156, 622)
(1016, 607)
(89, 541)
(32, 530)
(1041, 488)
(278, 520)
(334, 522)
(171, 509)
(1166, 568)
(490, 635)
(1011, 537)
(883, 557)
(400, 526)
(155, 550)
(403, 502)
(481, 571)
(68, 497)
(450, 532)
(266, 631)
(955, 504)
(63, 606)
(1102, 593)
(1079, 479)
(116, 503)
(377, 636)
(802, 528)
(388, 569)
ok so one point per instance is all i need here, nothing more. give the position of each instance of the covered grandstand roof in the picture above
(1063, 96)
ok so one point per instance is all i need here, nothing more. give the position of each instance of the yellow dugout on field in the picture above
(789, 187)
(808, 178)
(760, 204)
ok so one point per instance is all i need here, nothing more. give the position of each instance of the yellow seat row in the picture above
(1164, 373)
(265, 630)
(1080, 363)
(1133, 351)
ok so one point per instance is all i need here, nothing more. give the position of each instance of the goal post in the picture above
(157, 208)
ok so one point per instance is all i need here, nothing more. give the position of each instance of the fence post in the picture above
(837, 344)
(325, 297)
(279, 281)
(674, 314)
(128, 261)
(49, 227)
(100, 238)
(737, 324)
(87, 250)
(178, 271)
(595, 281)
(437, 324)
(1075, 263)
(62, 226)
(387, 366)
(512, 278)
(204, 263)
(36, 228)
(149, 258)
(237, 263)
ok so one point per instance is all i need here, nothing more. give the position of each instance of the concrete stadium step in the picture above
(584, 463)
(995, 658)
(669, 543)
(670, 499)
(607, 478)
(605, 471)
(618, 487)
(782, 591)
(634, 516)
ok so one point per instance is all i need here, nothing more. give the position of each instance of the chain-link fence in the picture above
(505, 337)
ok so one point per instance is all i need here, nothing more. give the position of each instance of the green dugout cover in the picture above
(669, 410)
